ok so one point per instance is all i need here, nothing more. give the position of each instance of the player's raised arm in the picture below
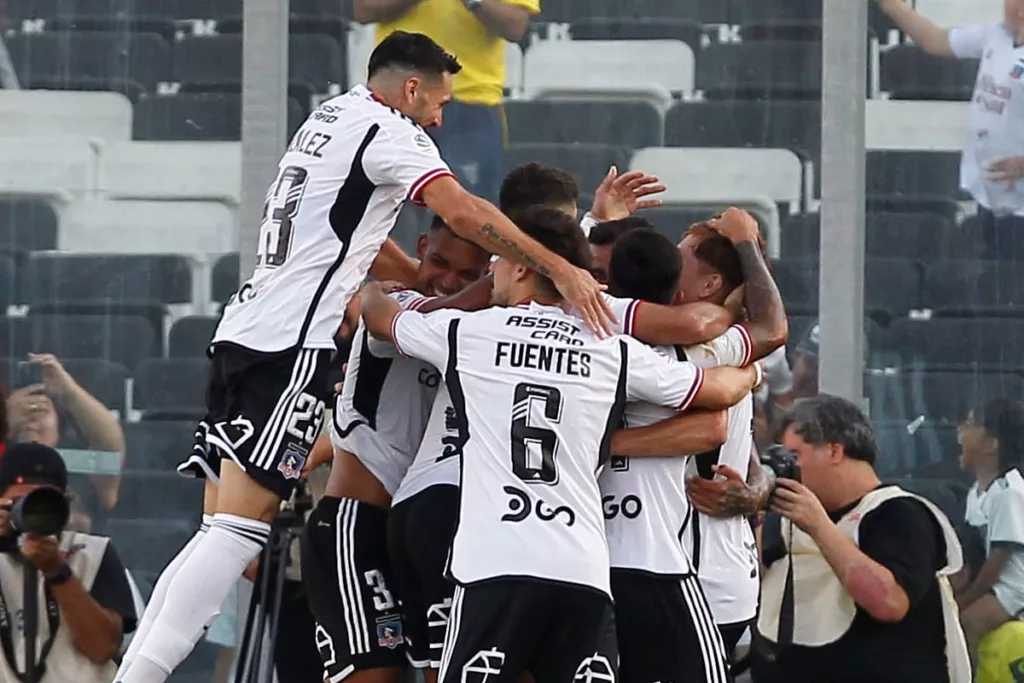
(393, 264)
(931, 37)
(691, 432)
(766, 322)
(686, 324)
(379, 311)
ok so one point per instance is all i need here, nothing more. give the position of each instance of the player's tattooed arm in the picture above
(727, 495)
(379, 310)
(766, 314)
(506, 245)
(690, 432)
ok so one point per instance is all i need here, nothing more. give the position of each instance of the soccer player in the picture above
(341, 183)
(536, 400)
(378, 425)
(602, 238)
(665, 626)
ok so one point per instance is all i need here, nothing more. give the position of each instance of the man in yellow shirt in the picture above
(472, 139)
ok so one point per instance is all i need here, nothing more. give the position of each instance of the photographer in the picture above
(85, 603)
(855, 588)
(35, 414)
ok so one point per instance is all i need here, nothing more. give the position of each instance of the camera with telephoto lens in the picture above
(781, 461)
(44, 512)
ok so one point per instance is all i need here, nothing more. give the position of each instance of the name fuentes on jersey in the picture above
(562, 361)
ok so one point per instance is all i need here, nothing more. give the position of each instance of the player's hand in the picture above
(734, 302)
(797, 503)
(620, 196)
(583, 292)
(1008, 170)
(737, 225)
(727, 495)
(43, 552)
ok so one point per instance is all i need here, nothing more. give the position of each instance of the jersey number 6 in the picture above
(534, 446)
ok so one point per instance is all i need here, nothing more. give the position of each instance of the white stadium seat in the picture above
(713, 178)
(650, 69)
(916, 125)
(950, 13)
(54, 167)
(195, 171)
(513, 68)
(51, 113)
(137, 227)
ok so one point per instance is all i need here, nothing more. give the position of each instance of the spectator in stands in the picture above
(35, 414)
(855, 584)
(992, 442)
(992, 167)
(85, 590)
(472, 140)
(603, 237)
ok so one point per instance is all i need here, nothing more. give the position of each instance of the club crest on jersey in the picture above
(389, 632)
(292, 461)
(1017, 72)
(422, 141)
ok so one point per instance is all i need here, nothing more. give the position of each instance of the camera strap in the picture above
(7, 635)
(787, 610)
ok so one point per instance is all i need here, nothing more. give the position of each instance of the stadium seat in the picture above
(104, 380)
(27, 224)
(761, 70)
(103, 116)
(190, 336)
(782, 124)
(909, 125)
(154, 312)
(651, 69)
(970, 286)
(9, 285)
(890, 284)
(604, 28)
(922, 237)
(141, 57)
(195, 171)
(913, 174)
(199, 117)
(908, 72)
(144, 227)
(957, 343)
(47, 167)
(125, 86)
(169, 384)
(902, 449)
(635, 124)
(225, 277)
(159, 495)
(672, 221)
(189, 9)
(68, 277)
(122, 339)
(15, 336)
(705, 11)
(588, 162)
(157, 445)
(941, 397)
(953, 13)
(148, 544)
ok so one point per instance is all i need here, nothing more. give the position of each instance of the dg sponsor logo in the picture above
(521, 507)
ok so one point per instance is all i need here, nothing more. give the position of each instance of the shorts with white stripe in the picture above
(347, 576)
(501, 628)
(666, 631)
(264, 411)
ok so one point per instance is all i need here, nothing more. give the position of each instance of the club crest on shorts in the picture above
(292, 461)
(389, 632)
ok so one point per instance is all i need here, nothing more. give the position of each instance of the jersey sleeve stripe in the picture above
(748, 344)
(420, 302)
(627, 324)
(426, 179)
(394, 334)
(698, 382)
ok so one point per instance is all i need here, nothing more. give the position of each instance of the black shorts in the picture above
(502, 628)
(264, 411)
(666, 631)
(347, 576)
(420, 533)
(731, 634)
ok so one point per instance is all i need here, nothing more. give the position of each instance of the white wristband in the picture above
(759, 374)
(588, 223)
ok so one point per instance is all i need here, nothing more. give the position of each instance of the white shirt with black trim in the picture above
(646, 508)
(537, 397)
(1005, 506)
(383, 408)
(340, 185)
(996, 126)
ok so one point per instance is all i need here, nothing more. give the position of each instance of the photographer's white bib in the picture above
(823, 610)
(64, 664)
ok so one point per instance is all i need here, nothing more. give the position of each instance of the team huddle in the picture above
(512, 445)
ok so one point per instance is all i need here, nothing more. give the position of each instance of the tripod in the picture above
(263, 618)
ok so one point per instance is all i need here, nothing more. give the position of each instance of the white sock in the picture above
(156, 599)
(195, 594)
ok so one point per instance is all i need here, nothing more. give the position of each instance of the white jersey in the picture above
(1005, 503)
(383, 408)
(537, 397)
(646, 508)
(339, 188)
(976, 508)
(996, 126)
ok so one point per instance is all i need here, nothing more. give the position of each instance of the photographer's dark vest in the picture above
(823, 611)
(64, 663)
